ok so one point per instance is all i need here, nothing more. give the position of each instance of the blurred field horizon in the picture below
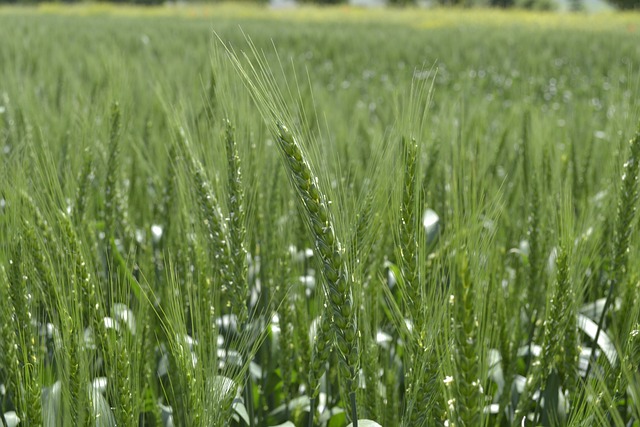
(418, 16)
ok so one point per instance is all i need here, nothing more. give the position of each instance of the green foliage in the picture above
(626, 4)
(537, 4)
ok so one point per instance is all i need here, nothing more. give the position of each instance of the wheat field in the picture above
(231, 215)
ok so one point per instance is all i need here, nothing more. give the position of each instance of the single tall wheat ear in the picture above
(338, 286)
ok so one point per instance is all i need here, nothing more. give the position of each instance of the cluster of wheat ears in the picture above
(260, 293)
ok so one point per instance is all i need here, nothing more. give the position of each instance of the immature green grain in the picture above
(408, 227)
(467, 387)
(626, 213)
(570, 346)
(576, 181)
(430, 172)
(54, 307)
(43, 270)
(92, 308)
(587, 168)
(559, 351)
(362, 230)
(320, 354)
(185, 374)
(169, 197)
(205, 303)
(559, 343)
(425, 397)
(121, 381)
(508, 332)
(188, 257)
(415, 376)
(9, 359)
(287, 348)
(627, 207)
(85, 179)
(363, 243)
(525, 402)
(238, 253)
(536, 259)
(187, 404)
(328, 248)
(392, 395)
(79, 398)
(149, 331)
(266, 245)
(371, 401)
(113, 163)
(9, 122)
(286, 319)
(319, 358)
(535, 239)
(122, 215)
(216, 231)
(211, 102)
(21, 300)
(303, 345)
(630, 360)
(39, 220)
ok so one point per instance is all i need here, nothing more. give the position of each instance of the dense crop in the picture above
(418, 225)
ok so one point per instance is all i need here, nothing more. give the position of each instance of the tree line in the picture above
(575, 5)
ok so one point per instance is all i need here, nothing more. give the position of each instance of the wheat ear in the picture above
(329, 249)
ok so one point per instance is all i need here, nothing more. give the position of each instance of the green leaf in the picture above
(286, 424)
(431, 224)
(590, 328)
(135, 286)
(391, 308)
(299, 403)
(241, 410)
(123, 314)
(594, 309)
(52, 404)
(336, 416)
(223, 386)
(397, 274)
(495, 369)
(11, 418)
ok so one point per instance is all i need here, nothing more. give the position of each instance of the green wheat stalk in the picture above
(84, 181)
(314, 204)
(113, 162)
(216, 231)
(408, 227)
(19, 298)
(287, 326)
(9, 359)
(329, 249)
(467, 387)
(559, 350)
(238, 253)
(626, 213)
(371, 401)
(319, 357)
